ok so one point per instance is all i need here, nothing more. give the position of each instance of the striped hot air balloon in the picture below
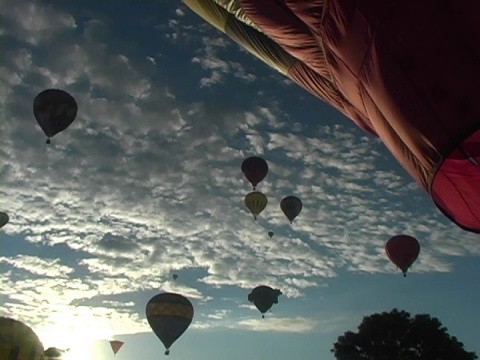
(169, 316)
(256, 202)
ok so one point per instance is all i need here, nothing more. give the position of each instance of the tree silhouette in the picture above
(395, 335)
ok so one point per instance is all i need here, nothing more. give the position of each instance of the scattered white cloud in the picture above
(286, 324)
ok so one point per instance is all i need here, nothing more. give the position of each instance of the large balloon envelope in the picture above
(256, 202)
(255, 169)
(270, 233)
(291, 207)
(169, 315)
(4, 219)
(402, 250)
(116, 345)
(18, 341)
(54, 111)
(263, 297)
(382, 64)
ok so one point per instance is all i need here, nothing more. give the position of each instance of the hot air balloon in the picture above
(169, 315)
(54, 111)
(175, 277)
(264, 297)
(4, 219)
(52, 353)
(402, 250)
(256, 202)
(255, 169)
(116, 345)
(291, 207)
(383, 66)
(18, 341)
(270, 233)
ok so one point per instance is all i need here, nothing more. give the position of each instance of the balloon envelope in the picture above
(116, 345)
(4, 219)
(52, 353)
(54, 110)
(383, 69)
(270, 233)
(255, 169)
(169, 315)
(291, 207)
(256, 202)
(402, 250)
(263, 297)
(18, 341)
(175, 276)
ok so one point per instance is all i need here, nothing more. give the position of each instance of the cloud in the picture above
(218, 68)
(38, 266)
(34, 22)
(286, 324)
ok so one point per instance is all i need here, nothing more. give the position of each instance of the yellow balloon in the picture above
(18, 341)
(256, 202)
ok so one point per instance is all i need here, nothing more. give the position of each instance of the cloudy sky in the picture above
(147, 183)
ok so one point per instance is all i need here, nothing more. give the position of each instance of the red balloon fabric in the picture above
(404, 70)
(402, 250)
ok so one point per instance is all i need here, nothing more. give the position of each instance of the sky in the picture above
(146, 183)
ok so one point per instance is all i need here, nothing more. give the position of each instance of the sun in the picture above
(80, 341)
(81, 353)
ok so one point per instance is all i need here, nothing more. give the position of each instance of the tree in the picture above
(395, 335)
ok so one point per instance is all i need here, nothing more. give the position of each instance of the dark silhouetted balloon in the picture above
(402, 250)
(255, 169)
(291, 207)
(169, 315)
(4, 219)
(52, 353)
(263, 297)
(54, 111)
(270, 233)
(18, 341)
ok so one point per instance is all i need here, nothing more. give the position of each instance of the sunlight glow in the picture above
(75, 330)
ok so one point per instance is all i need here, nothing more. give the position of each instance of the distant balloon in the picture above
(270, 233)
(169, 315)
(54, 111)
(175, 277)
(52, 353)
(255, 169)
(18, 341)
(402, 250)
(264, 297)
(116, 345)
(291, 207)
(4, 219)
(256, 202)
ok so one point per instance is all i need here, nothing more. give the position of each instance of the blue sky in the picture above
(147, 182)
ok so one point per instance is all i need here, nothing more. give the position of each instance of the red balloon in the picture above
(402, 250)
(255, 169)
(116, 345)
